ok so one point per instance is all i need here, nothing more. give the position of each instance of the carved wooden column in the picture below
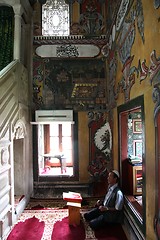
(17, 31)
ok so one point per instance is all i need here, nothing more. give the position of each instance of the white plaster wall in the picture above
(15, 95)
(15, 159)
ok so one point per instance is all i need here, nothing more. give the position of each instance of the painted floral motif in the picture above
(103, 139)
(103, 142)
(98, 167)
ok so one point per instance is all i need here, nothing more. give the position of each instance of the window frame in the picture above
(39, 178)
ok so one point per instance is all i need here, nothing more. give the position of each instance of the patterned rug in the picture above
(53, 212)
(50, 217)
(58, 203)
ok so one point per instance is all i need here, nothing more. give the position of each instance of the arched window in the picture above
(55, 18)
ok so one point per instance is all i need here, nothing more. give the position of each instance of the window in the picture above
(55, 149)
(61, 140)
(55, 18)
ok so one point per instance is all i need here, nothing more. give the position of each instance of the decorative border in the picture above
(137, 144)
(84, 90)
(137, 126)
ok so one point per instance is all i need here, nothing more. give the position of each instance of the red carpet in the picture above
(63, 231)
(31, 229)
(41, 221)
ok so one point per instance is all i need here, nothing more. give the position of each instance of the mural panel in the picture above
(100, 140)
(69, 84)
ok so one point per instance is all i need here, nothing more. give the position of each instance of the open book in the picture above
(72, 197)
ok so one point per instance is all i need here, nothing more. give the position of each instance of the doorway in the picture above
(19, 158)
(132, 160)
(18, 170)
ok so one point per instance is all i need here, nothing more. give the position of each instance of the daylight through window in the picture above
(55, 18)
(55, 149)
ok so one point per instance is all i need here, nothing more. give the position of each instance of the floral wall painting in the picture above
(66, 84)
(121, 13)
(111, 12)
(128, 30)
(137, 126)
(38, 83)
(103, 139)
(152, 70)
(123, 38)
(97, 167)
(91, 19)
(140, 19)
(100, 146)
(126, 41)
(143, 70)
(127, 80)
(112, 79)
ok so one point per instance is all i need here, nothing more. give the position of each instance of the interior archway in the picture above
(19, 161)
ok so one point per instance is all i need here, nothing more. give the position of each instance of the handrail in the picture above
(8, 68)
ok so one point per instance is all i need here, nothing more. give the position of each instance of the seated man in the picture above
(110, 210)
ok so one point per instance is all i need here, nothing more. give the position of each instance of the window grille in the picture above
(55, 18)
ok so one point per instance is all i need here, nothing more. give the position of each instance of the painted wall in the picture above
(83, 146)
(71, 83)
(144, 42)
(132, 58)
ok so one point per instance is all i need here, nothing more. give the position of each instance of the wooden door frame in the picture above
(123, 111)
(156, 92)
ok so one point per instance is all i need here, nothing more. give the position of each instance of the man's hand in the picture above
(102, 208)
(98, 203)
